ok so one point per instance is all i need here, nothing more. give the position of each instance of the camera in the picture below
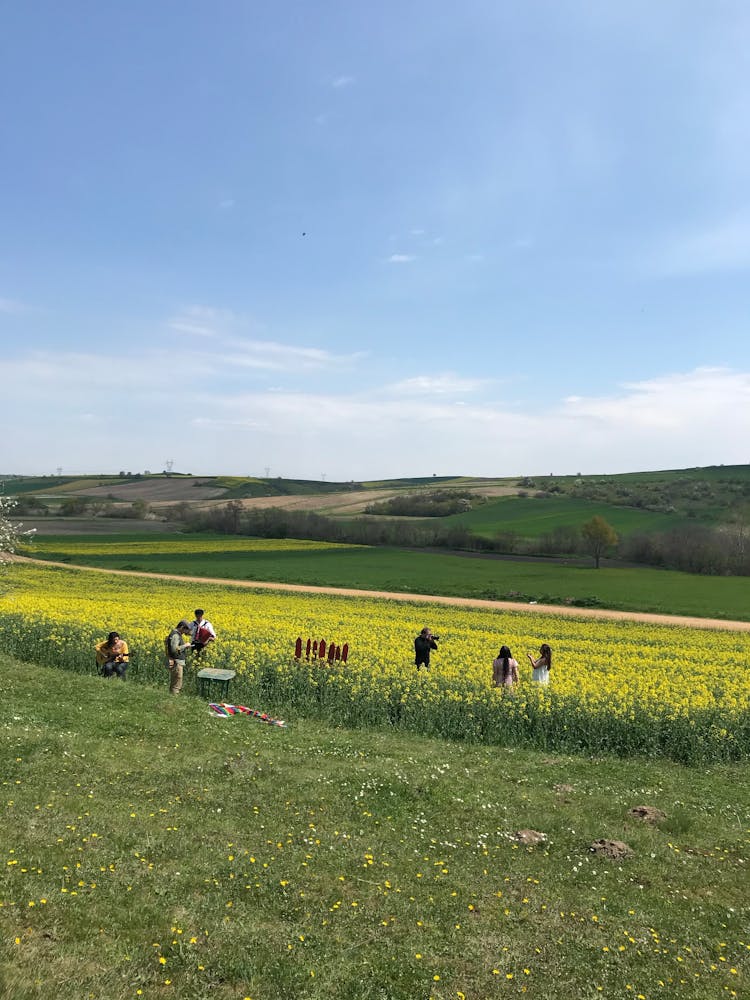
(435, 637)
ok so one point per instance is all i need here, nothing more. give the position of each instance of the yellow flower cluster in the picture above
(615, 686)
(176, 546)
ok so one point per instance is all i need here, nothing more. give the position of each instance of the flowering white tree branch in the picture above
(10, 533)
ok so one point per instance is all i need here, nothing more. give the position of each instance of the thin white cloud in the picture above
(224, 325)
(237, 349)
(668, 404)
(272, 356)
(342, 81)
(438, 385)
(401, 258)
(695, 418)
(675, 420)
(203, 321)
(194, 329)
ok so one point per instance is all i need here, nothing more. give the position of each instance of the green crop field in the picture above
(154, 851)
(715, 473)
(16, 486)
(531, 517)
(631, 589)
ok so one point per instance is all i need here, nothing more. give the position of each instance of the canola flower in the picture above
(620, 687)
(176, 546)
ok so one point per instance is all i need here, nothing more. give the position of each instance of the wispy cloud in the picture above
(680, 425)
(416, 426)
(438, 385)
(667, 403)
(194, 329)
(271, 356)
(342, 81)
(401, 258)
(202, 321)
(237, 348)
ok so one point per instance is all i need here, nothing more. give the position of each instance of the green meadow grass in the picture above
(716, 473)
(533, 517)
(39, 484)
(414, 571)
(150, 850)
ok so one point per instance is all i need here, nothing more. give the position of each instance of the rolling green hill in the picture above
(639, 502)
(531, 517)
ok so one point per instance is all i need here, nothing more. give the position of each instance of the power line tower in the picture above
(268, 472)
(168, 466)
(58, 471)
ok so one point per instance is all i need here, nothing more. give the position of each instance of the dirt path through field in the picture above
(463, 602)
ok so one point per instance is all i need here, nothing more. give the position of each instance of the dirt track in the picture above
(679, 621)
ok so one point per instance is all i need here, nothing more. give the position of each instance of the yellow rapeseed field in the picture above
(176, 546)
(615, 686)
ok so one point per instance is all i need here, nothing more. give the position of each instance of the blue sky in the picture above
(374, 240)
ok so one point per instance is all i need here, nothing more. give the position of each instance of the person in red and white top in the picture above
(201, 632)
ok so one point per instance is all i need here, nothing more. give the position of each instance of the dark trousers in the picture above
(112, 667)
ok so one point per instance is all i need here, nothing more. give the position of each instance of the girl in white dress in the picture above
(542, 665)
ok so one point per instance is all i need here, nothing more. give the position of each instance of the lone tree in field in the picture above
(10, 533)
(598, 536)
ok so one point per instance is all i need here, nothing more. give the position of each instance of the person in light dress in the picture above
(541, 666)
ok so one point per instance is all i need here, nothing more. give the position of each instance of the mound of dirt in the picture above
(529, 837)
(614, 850)
(649, 814)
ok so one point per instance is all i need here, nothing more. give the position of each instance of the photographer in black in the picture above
(424, 642)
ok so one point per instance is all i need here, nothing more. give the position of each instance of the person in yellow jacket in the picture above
(112, 656)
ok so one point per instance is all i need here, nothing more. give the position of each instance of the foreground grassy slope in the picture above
(154, 851)
(364, 568)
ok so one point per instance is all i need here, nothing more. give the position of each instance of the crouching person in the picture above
(112, 656)
(175, 648)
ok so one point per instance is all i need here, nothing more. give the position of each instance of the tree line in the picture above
(693, 548)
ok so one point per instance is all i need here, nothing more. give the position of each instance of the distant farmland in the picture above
(531, 517)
